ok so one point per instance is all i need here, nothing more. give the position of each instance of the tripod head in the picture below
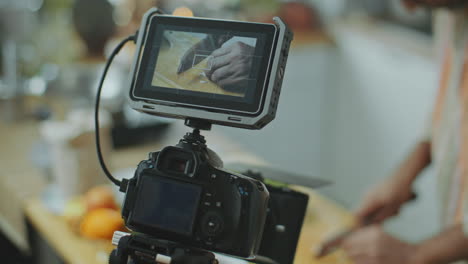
(143, 249)
(196, 142)
(199, 124)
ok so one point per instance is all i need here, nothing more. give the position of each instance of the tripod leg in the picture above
(120, 255)
(194, 258)
(115, 258)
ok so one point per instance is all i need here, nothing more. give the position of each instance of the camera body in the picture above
(182, 194)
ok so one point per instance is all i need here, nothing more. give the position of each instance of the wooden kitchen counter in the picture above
(323, 218)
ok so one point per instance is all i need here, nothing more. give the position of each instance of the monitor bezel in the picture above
(233, 106)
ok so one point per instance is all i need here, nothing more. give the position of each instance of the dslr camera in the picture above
(182, 194)
(205, 71)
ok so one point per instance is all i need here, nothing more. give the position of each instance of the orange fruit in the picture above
(100, 197)
(101, 223)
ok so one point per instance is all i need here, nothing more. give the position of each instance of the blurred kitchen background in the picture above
(357, 94)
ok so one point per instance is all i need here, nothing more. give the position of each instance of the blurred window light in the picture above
(37, 85)
(116, 2)
(214, 4)
(34, 5)
(3, 89)
(31, 5)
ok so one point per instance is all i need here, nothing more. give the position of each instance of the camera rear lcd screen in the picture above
(204, 63)
(167, 204)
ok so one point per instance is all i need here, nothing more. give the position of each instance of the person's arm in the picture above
(385, 200)
(416, 162)
(447, 247)
(372, 245)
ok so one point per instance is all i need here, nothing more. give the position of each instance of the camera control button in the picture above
(207, 203)
(208, 194)
(243, 190)
(214, 176)
(218, 204)
(212, 224)
(233, 179)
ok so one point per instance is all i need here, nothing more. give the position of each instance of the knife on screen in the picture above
(202, 49)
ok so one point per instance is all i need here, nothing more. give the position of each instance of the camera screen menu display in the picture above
(207, 63)
(156, 193)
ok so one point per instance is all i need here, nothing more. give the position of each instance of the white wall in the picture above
(376, 109)
(292, 140)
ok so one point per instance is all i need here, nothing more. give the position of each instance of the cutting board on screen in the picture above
(193, 79)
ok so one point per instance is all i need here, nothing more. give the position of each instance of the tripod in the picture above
(143, 249)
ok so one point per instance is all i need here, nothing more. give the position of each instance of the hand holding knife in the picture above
(204, 48)
(333, 243)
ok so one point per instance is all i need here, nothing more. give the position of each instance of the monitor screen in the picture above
(167, 204)
(206, 63)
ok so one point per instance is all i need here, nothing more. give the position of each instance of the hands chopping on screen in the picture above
(231, 65)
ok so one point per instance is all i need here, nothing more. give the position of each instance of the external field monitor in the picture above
(226, 72)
